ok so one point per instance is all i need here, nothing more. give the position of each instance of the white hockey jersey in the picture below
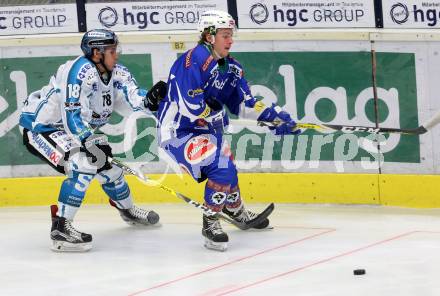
(78, 101)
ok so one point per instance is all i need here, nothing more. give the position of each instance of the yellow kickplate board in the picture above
(418, 191)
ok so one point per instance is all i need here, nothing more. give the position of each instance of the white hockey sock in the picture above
(126, 203)
(66, 211)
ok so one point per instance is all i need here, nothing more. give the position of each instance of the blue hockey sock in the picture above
(119, 192)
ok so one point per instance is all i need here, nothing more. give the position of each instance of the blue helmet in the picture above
(98, 38)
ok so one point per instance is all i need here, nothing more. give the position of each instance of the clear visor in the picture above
(112, 49)
(226, 32)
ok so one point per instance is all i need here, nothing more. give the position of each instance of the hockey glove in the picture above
(214, 104)
(97, 148)
(156, 93)
(275, 113)
(285, 128)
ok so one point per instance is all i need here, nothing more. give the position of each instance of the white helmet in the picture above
(215, 19)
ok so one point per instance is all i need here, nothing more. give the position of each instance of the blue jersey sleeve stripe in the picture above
(74, 120)
(125, 92)
(164, 111)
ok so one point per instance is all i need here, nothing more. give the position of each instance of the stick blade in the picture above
(260, 218)
(420, 130)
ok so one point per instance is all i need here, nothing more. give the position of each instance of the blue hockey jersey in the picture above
(199, 87)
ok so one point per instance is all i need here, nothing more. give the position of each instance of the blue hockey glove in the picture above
(286, 128)
(217, 123)
(275, 113)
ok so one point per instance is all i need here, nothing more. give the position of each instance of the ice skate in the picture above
(215, 237)
(245, 216)
(136, 215)
(65, 238)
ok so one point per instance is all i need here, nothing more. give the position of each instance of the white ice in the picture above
(312, 250)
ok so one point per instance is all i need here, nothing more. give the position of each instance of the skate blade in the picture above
(221, 247)
(153, 222)
(60, 246)
(269, 227)
(140, 225)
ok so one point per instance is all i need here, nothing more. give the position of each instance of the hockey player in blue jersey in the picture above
(202, 83)
(59, 124)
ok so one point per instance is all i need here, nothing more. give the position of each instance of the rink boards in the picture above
(318, 76)
(418, 191)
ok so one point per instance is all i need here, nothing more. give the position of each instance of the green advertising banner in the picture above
(21, 76)
(338, 83)
(334, 87)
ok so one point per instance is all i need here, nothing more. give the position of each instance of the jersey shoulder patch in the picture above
(86, 72)
(84, 67)
(121, 68)
(207, 63)
(199, 55)
(188, 57)
(235, 67)
(121, 73)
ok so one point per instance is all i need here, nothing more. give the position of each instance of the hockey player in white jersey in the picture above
(59, 124)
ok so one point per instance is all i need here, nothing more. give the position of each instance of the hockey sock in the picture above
(119, 192)
(233, 201)
(72, 194)
(215, 195)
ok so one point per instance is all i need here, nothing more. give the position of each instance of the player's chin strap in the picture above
(207, 211)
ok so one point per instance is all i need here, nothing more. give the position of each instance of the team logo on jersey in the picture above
(194, 92)
(198, 149)
(219, 84)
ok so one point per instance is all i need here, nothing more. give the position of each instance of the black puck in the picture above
(359, 271)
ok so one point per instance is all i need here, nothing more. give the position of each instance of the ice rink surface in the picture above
(312, 250)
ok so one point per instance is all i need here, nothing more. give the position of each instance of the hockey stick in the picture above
(243, 226)
(349, 128)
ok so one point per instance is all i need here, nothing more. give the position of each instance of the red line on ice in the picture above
(321, 261)
(327, 230)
